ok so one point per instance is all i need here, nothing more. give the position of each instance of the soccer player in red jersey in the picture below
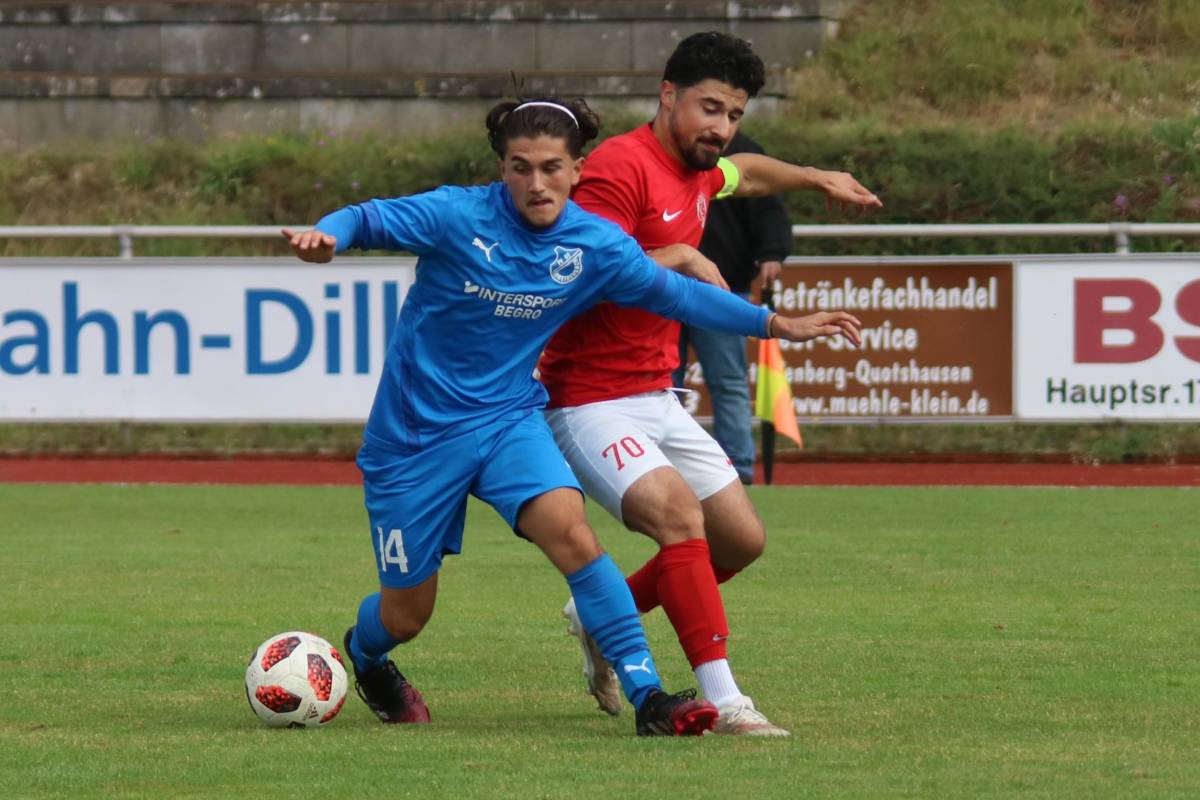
(634, 448)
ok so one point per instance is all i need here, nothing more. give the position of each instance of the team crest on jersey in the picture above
(568, 263)
(701, 208)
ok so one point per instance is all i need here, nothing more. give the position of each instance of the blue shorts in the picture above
(417, 503)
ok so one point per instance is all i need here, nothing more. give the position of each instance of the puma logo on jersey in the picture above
(668, 217)
(643, 667)
(487, 251)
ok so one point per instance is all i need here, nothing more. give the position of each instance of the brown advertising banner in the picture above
(937, 341)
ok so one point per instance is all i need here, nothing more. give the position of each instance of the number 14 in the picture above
(391, 550)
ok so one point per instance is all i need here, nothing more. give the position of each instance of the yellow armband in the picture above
(732, 177)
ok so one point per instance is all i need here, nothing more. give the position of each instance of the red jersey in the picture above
(609, 351)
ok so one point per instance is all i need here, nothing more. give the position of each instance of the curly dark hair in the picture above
(507, 120)
(718, 56)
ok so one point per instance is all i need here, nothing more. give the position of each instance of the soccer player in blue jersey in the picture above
(458, 411)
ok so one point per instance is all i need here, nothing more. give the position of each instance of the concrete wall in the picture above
(196, 69)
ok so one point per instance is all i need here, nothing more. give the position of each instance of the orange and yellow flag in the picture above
(773, 399)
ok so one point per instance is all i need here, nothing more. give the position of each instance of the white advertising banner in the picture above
(195, 339)
(1111, 338)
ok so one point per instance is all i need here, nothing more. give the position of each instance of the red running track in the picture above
(328, 472)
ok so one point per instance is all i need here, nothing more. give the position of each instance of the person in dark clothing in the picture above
(745, 238)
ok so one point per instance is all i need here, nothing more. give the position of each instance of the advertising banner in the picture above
(223, 339)
(937, 341)
(275, 339)
(1109, 338)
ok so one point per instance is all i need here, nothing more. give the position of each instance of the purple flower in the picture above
(1168, 180)
(318, 185)
(1121, 203)
(320, 143)
(353, 184)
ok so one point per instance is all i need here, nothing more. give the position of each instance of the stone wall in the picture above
(197, 69)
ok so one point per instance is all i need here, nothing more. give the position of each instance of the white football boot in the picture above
(741, 718)
(602, 682)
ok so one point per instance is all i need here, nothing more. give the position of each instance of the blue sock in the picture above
(370, 643)
(609, 615)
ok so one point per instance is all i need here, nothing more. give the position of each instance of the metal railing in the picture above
(125, 234)
(1120, 232)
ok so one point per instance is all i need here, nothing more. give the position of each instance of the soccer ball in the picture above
(296, 680)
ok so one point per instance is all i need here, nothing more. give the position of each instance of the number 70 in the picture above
(629, 445)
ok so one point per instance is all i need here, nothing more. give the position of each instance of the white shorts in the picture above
(611, 444)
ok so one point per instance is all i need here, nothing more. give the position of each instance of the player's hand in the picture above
(687, 260)
(702, 268)
(842, 188)
(814, 326)
(769, 271)
(312, 246)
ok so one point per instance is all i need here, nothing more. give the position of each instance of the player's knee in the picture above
(736, 552)
(579, 544)
(751, 546)
(667, 523)
(572, 548)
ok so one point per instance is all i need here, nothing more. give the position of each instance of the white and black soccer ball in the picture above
(296, 680)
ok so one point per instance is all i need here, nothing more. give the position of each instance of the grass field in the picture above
(918, 642)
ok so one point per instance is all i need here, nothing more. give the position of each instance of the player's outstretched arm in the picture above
(813, 326)
(664, 292)
(313, 245)
(763, 175)
(687, 260)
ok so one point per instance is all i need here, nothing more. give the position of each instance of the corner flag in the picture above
(773, 398)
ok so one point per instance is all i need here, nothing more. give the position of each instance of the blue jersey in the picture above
(490, 290)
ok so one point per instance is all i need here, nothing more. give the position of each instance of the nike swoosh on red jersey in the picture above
(668, 217)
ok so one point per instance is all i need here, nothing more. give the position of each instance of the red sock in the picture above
(643, 585)
(688, 592)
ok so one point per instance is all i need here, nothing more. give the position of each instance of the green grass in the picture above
(285, 179)
(955, 171)
(919, 643)
(1038, 63)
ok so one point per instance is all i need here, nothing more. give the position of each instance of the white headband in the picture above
(561, 108)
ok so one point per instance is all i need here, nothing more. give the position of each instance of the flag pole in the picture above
(768, 428)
